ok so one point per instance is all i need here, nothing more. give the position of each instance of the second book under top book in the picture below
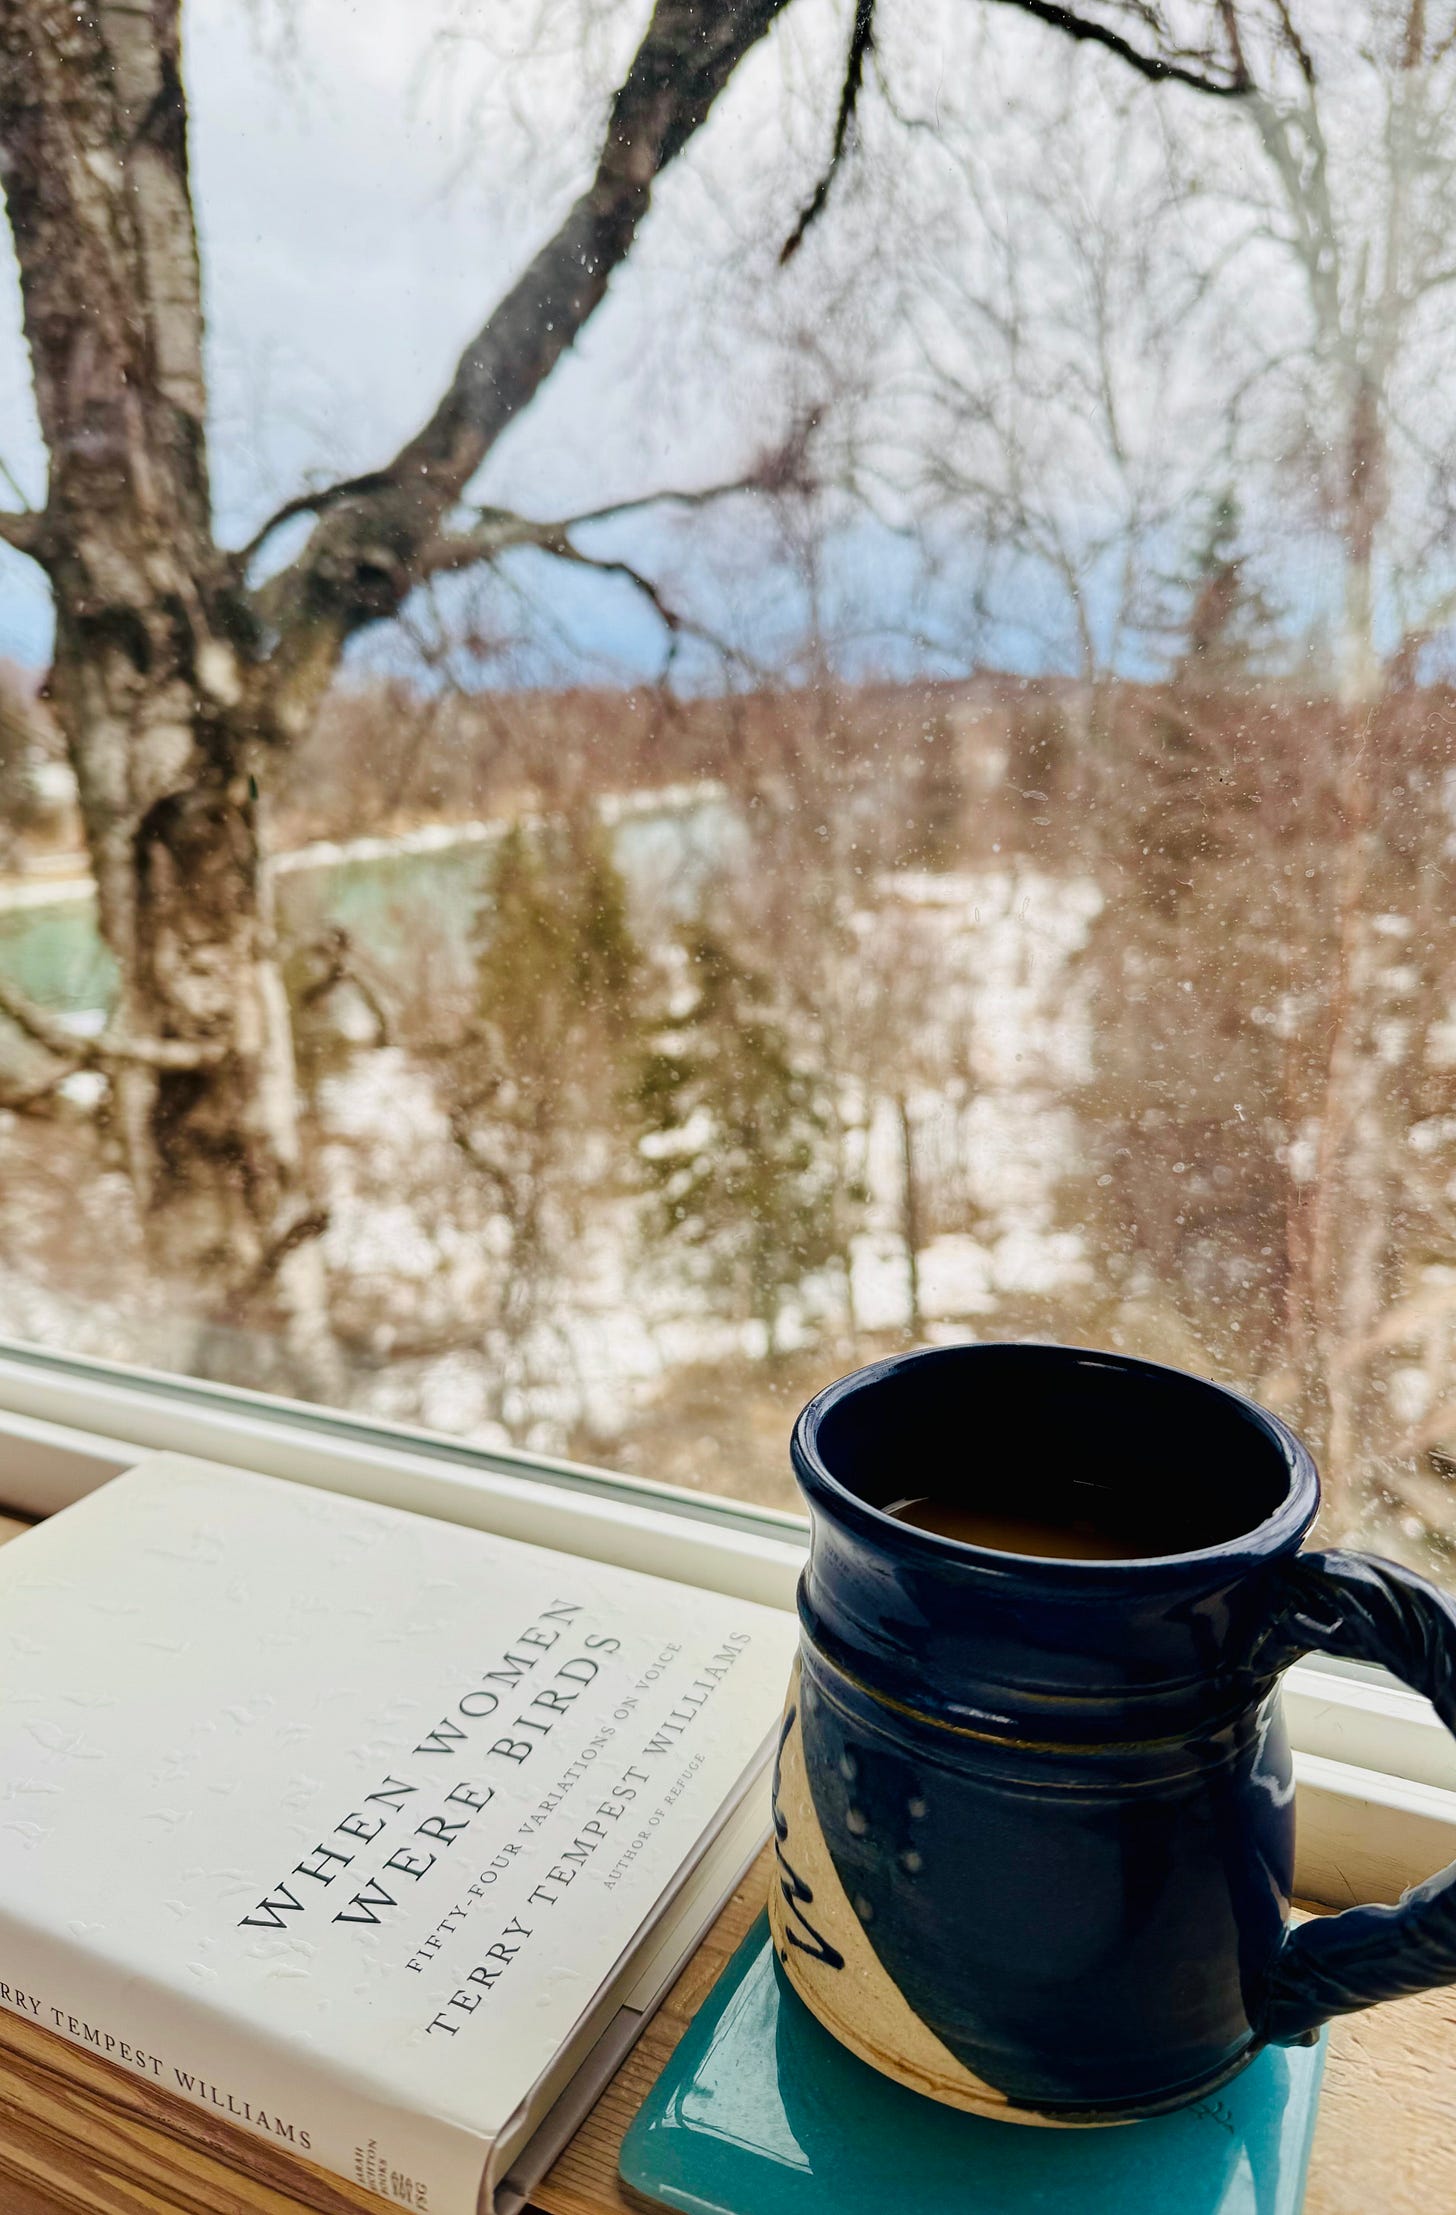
(366, 1832)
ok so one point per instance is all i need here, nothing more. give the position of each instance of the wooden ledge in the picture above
(1385, 2143)
(80, 2137)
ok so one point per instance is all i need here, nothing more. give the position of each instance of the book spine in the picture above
(284, 2096)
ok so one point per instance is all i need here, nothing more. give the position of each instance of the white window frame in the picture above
(1376, 1771)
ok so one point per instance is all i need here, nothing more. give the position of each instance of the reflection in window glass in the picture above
(870, 762)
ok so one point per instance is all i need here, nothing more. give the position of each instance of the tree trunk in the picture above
(1354, 1291)
(1360, 672)
(175, 834)
(909, 1215)
(151, 684)
(176, 686)
(1361, 675)
(1344, 1250)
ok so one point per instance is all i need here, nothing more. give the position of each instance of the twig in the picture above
(1157, 68)
(29, 1099)
(378, 480)
(1293, 40)
(861, 42)
(312, 1224)
(312, 503)
(762, 477)
(110, 1046)
(14, 483)
(341, 965)
(497, 531)
(23, 531)
(37, 1025)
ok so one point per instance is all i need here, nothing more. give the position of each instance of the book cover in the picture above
(339, 1821)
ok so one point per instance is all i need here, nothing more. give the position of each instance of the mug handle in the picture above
(1360, 1609)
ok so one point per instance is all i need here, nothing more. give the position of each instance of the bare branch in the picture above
(32, 1099)
(1228, 16)
(671, 620)
(367, 550)
(22, 531)
(1157, 68)
(42, 1029)
(361, 560)
(13, 482)
(499, 532)
(1292, 40)
(111, 1046)
(310, 503)
(308, 1225)
(688, 54)
(861, 42)
(767, 475)
(340, 964)
(496, 531)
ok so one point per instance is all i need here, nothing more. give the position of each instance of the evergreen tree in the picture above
(736, 1142)
(606, 960)
(18, 808)
(557, 966)
(1227, 626)
(536, 1089)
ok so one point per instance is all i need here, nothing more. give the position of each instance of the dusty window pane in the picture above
(871, 762)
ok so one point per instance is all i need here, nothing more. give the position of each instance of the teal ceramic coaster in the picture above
(759, 2112)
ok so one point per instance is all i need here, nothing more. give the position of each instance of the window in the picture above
(771, 680)
(1377, 1772)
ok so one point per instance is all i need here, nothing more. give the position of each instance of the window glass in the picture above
(689, 691)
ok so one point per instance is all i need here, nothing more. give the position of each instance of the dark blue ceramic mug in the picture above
(1035, 1815)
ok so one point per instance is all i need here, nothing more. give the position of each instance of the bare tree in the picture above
(179, 680)
(1356, 199)
(1355, 113)
(1052, 418)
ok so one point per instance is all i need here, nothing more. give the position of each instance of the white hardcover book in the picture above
(370, 1834)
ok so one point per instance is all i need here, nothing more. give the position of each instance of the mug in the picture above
(1034, 1817)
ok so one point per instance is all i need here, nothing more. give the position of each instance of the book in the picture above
(372, 1836)
(760, 2112)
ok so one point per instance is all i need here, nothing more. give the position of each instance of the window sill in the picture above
(67, 1425)
(1377, 1772)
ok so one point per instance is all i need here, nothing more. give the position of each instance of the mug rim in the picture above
(1281, 1531)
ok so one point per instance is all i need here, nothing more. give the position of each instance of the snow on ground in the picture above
(1002, 943)
(1006, 1032)
(1004, 940)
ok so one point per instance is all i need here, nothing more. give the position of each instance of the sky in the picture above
(369, 178)
(364, 195)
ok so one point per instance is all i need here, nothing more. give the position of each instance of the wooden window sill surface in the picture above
(87, 2142)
